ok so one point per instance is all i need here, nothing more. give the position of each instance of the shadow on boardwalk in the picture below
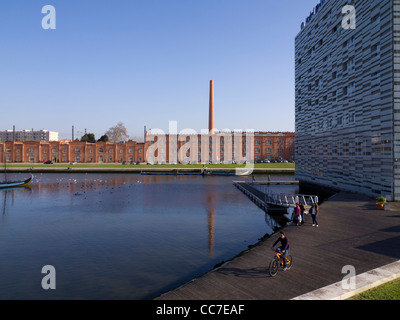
(252, 273)
(351, 232)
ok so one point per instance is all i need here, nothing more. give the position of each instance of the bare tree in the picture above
(137, 139)
(117, 133)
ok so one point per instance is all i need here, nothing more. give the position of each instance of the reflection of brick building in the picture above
(61, 152)
(219, 147)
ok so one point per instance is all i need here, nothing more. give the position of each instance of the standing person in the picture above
(297, 214)
(314, 213)
(302, 213)
(284, 248)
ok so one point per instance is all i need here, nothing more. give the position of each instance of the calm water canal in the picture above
(115, 236)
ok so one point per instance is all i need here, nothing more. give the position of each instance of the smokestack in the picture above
(211, 110)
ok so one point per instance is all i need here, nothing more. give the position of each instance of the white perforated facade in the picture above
(347, 98)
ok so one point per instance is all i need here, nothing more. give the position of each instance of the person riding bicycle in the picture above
(284, 248)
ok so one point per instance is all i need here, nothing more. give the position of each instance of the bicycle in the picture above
(278, 261)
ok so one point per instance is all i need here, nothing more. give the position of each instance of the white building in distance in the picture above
(28, 135)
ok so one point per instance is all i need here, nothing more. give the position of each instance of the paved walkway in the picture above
(352, 232)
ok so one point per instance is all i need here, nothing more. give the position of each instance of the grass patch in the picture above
(387, 291)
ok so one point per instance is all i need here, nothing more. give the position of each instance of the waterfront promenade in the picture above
(351, 232)
(139, 169)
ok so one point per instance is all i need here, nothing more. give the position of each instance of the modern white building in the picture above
(28, 135)
(348, 97)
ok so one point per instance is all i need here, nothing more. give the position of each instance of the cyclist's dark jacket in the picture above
(284, 243)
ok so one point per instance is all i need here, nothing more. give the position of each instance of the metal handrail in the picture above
(281, 199)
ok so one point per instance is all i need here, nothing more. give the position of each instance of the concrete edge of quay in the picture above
(71, 169)
(363, 282)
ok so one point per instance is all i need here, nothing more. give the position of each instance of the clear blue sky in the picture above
(148, 62)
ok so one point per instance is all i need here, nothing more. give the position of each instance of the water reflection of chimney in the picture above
(211, 217)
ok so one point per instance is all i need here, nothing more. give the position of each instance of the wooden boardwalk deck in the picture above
(267, 183)
(351, 232)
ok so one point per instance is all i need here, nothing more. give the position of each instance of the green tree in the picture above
(103, 138)
(89, 137)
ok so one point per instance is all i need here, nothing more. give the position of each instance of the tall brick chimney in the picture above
(211, 110)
